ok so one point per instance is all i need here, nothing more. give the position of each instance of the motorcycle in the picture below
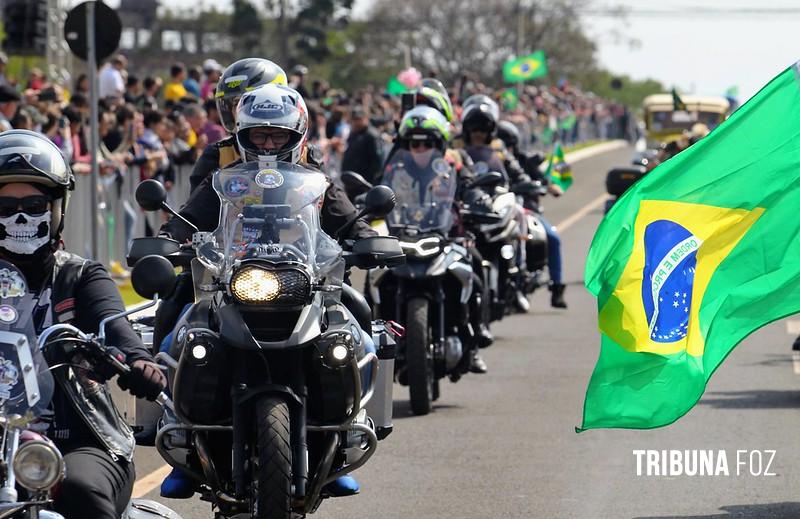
(357, 187)
(619, 180)
(275, 393)
(430, 293)
(32, 465)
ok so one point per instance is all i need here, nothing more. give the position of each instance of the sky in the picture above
(698, 46)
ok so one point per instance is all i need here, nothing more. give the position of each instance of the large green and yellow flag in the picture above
(696, 256)
(525, 68)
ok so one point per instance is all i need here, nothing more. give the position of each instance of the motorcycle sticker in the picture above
(9, 376)
(8, 314)
(181, 334)
(237, 186)
(11, 284)
(269, 179)
(441, 167)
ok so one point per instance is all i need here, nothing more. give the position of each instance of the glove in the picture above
(145, 380)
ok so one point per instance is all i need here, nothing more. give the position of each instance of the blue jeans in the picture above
(553, 251)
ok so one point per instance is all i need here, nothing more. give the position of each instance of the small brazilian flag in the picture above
(525, 68)
(677, 102)
(558, 171)
(695, 257)
(510, 99)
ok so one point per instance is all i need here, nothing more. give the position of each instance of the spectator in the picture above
(174, 90)
(298, 76)
(22, 121)
(9, 103)
(213, 72)
(35, 79)
(3, 63)
(110, 80)
(133, 89)
(196, 116)
(149, 99)
(364, 147)
(192, 83)
(57, 130)
(213, 129)
(82, 85)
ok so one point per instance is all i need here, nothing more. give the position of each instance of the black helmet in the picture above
(480, 114)
(240, 77)
(508, 133)
(30, 157)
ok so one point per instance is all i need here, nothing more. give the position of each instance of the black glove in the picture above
(145, 380)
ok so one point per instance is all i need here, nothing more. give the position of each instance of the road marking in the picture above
(796, 362)
(793, 327)
(144, 485)
(580, 213)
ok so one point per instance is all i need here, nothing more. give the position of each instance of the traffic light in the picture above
(25, 24)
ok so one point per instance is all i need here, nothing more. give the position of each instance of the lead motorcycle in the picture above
(275, 392)
(31, 466)
(431, 292)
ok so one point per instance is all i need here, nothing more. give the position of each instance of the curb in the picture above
(595, 150)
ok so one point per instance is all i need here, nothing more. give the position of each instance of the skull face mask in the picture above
(22, 233)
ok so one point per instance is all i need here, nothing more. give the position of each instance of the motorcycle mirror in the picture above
(380, 201)
(151, 195)
(490, 178)
(153, 275)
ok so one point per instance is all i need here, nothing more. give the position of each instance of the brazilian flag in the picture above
(525, 68)
(558, 171)
(510, 99)
(695, 257)
(677, 102)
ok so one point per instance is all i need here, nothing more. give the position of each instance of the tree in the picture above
(245, 27)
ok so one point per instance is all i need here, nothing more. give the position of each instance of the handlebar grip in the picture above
(116, 359)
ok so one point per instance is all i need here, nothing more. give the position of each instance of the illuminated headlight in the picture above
(199, 351)
(422, 248)
(38, 466)
(338, 350)
(507, 252)
(255, 285)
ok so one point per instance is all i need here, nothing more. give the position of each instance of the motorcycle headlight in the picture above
(38, 466)
(422, 248)
(255, 285)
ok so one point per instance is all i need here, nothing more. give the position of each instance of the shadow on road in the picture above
(401, 409)
(771, 510)
(775, 360)
(756, 399)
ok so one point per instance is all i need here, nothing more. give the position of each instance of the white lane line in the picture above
(595, 150)
(580, 213)
(793, 327)
(145, 484)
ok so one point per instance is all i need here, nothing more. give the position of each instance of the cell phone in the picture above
(62, 122)
(407, 101)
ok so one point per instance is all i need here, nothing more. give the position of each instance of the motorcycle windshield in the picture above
(424, 192)
(26, 385)
(270, 211)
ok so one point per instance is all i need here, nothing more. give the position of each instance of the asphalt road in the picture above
(503, 445)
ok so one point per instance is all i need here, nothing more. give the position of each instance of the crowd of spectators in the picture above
(150, 127)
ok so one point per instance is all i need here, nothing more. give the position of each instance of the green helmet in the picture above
(432, 93)
(425, 123)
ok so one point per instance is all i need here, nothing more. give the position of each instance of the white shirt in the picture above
(110, 83)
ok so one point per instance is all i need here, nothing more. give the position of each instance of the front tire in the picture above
(273, 474)
(419, 365)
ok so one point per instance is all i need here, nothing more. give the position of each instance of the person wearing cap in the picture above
(213, 71)
(363, 152)
(299, 73)
(97, 444)
(110, 80)
(9, 103)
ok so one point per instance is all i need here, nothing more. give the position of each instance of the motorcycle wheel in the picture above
(273, 473)
(419, 366)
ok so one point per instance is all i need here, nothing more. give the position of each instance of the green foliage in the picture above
(630, 94)
(245, 25)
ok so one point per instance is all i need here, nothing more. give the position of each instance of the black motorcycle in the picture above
(430, 293)
(276, 392)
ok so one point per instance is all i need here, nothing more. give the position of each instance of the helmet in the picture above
(425, 123)
(480, 113)
(240, 77)
(508, 133)
(30, 157)
(432, 93)
(272, 106)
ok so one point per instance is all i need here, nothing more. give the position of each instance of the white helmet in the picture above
(272, 106)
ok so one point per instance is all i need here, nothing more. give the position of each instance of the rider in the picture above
(422, 130)
(96, 442)
(509, 134)
(275, 134)
(240, 77)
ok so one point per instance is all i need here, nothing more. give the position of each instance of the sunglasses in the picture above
(421, 144)
(278, 138)
(35, 205)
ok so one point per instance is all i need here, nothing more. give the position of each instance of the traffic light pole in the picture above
(94, 136)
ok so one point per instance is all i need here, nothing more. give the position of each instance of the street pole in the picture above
(94, 137)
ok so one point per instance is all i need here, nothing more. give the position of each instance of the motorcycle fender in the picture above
(415, 269)
(234, 331)
(463, 272)
(148, 509)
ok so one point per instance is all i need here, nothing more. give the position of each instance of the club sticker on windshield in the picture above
(237, 186)
(269, 179)
(8, 314)
(12, 284)
(9, 376)
(441, 167)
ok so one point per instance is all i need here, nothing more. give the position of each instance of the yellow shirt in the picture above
(174, 92)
